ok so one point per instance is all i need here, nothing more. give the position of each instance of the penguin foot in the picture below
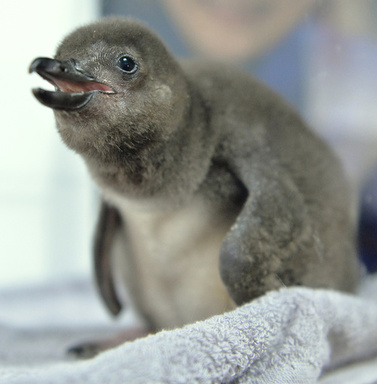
(87, 350)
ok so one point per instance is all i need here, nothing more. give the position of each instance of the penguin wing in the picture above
(259, 252)
(108, 224)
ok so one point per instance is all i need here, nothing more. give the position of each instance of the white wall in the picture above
(46, 198)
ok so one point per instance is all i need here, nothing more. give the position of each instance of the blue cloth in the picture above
(367, 239)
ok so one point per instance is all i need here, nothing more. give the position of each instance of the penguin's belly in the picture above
(175, 263)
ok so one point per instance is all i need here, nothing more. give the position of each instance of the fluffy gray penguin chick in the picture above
(214, 190)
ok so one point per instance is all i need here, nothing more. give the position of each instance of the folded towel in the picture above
(295, 335)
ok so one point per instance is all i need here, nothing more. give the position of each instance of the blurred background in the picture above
(320, 55)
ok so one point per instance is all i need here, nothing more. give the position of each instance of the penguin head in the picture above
(116, 85)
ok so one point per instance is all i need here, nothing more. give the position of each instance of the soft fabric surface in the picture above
(295, 335)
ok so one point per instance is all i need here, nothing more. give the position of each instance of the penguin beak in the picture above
(74, 87)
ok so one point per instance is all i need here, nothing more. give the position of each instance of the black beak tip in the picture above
(42, 96)
(37, 64)
(36, 91)
(33, 66)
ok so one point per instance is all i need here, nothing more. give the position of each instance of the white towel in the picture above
(295, 335)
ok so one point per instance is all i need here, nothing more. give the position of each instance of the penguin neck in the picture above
(168, 169)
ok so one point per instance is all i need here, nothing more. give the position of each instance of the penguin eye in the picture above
(127, 64)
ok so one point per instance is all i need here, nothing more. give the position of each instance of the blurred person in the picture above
(254, 34)
(236, 30)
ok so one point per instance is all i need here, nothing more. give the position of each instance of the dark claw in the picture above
(84, 351)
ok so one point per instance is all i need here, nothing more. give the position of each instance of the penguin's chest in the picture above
(175, 263)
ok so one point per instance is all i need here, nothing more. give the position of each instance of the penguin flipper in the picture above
(108, 224)
(263, 249)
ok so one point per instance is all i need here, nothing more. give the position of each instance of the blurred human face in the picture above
(236, 29)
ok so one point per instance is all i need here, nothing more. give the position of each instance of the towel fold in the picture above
(294, 335)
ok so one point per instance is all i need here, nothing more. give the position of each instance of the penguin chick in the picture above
(214, 190)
